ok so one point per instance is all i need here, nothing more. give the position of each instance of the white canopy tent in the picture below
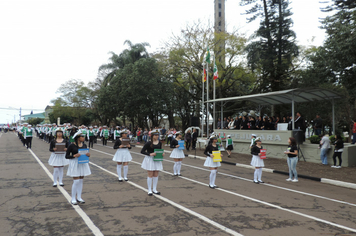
(285, 97)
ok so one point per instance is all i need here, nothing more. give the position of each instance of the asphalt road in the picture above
(29, 205)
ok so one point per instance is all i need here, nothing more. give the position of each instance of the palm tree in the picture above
(128, 56)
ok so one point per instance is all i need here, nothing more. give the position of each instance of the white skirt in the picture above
(122, 155)
(257, 161)
(76, 170)
(176, 153)
(58, 160)
(209, 162)
(149, 164)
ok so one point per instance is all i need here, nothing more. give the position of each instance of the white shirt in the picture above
(325, 142)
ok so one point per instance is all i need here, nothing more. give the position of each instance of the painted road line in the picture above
(270, 185)
(259, 201)
(201, 217)
(96, 231)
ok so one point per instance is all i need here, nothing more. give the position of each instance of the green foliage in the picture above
(340, 5)
(271, 56)
(77, 103)
(332, 66)
(133, 87)
(315, 139)
(34, 121)
(183, 56)
(332, 139)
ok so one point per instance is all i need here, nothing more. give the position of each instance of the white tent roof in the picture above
(285, 96)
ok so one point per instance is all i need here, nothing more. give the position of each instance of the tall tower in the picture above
(219, 16)
(219, 27)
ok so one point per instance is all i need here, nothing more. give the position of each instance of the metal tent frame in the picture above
(285, 97)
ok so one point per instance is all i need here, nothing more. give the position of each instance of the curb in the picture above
(322, 180)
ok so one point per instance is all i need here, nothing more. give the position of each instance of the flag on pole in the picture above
(207, 59)
(204, 77)
(216, 73)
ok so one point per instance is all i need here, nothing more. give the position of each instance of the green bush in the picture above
(332, 139)
(315, 139)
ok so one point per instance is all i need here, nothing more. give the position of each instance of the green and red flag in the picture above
(216, 73)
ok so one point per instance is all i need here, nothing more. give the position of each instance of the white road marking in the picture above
(204, 218)
(270, 185)
(274, 186)
(255, 200)
(96, 231)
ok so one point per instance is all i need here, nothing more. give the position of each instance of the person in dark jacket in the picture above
(195, 139)
(339, 148)
(244, 123)
(188, 139)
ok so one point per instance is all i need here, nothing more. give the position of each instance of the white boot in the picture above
(155, 182)
(118, 168)
(126, 170)
(149, 185)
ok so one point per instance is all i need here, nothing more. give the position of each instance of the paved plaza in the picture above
(187, 206)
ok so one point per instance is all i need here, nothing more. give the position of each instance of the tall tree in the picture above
(128, 56)
(340, 5)
(184, 54)
(273, 48)
(133, 87)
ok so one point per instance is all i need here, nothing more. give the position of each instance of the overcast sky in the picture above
(44, 43)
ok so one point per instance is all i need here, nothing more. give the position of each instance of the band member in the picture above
(73, 131)
(104, 134)
(28, 134)
(122, 155)
(212, 146)
(117, 133)
(84, 131)
(256, 161)
(152, 167)
(91, 136)
(96, 132)
(76, 170)
(229, 145)
(177, 154)
(21, 132)
(57, 159)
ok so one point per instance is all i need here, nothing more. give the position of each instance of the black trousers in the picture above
(338, 155)
(169, 140)
(28, 142)
(91, 141)
(105, 141)
(23, 140)
(187, 144)
(194, 143)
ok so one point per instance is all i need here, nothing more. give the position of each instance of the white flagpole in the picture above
(202, 105)
(207, 99)
(214, 99)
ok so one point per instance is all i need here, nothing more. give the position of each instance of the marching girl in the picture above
(58, 160)
(177, 154)
(122, 155)
(256, 161)
(152, 167)
(212, 146)
(229, 145)
(76, 170)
